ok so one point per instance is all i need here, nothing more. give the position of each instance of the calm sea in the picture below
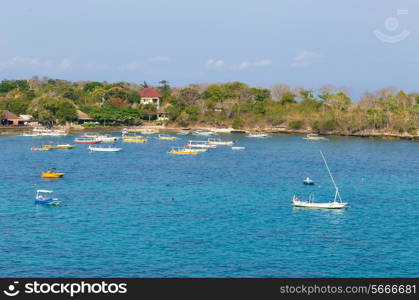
(145, 213)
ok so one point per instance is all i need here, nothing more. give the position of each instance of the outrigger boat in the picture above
(238, 148)
(134, 139)
(58, 147)
(183, 151)
(41, 198)
(203, 132)
(40, 149)
(87, 141)
(104, 149)
(51, 174)
(337, 202)
(167, 138)
(107, 138)
(315, 137)
(199, 150)
(220, 142)
(257, 135)
(200, 145)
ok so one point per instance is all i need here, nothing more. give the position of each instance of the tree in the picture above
(52, 110)
(164, 90)
(279, 89)
(90, 86)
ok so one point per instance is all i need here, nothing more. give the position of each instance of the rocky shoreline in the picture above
(10, 130)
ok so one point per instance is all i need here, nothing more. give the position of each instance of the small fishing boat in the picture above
(238, 148)
(257, 135)
(167, 138)
(40, 149)
(183, 151)
(203, 132)
(104, 149)
(58, 147)
(220, 142)
(50, 173)
(107, 138)
(87, 141)
(199, 150)
(41, 198)
(337, 202)
(134, 139)
(50, 132)
(308, 181)
(315, 137)
(200, 144)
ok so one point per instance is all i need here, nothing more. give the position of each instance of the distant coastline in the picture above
(281, 109)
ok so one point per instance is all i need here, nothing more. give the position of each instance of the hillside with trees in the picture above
(232, 104)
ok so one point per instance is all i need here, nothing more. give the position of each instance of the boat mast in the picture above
(337, 195)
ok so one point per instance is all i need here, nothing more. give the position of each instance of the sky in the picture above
(360, 45)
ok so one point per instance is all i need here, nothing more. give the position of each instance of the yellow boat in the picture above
(315, 137)
(50, 174)
(167, 138)
(58, 147)
(134, 139)
(183, 151)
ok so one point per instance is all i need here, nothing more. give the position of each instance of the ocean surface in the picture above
(145, 213)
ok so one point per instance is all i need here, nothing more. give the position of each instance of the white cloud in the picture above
(305, 59)
(159, 59)
(29, 63)
(247, 64)
(215, 64)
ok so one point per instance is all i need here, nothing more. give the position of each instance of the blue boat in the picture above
(42, 198)
(308, 181)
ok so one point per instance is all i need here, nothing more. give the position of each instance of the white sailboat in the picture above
(337, 202)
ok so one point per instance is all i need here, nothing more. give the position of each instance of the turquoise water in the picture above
(145, 213)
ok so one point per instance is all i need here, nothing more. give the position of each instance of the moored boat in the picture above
(183, 151)
(104, 149)
(87, 141)
(220, 142)
(40, 149)
(41, 198)
(58, 147)
(337, 202)
(257, 135)
(203, 132)
(238, 148)
(134, 139)
(50, 173)
(315, 137)
(107, 138)
(200, 144)
(308, 181)
(167, 138)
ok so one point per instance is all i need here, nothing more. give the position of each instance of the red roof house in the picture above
(150, 96)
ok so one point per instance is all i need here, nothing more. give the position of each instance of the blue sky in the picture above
(303, 43)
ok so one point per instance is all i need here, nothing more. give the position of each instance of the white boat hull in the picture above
(330, 205)
(105, 149)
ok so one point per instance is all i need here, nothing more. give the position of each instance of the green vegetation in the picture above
(232, 104)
